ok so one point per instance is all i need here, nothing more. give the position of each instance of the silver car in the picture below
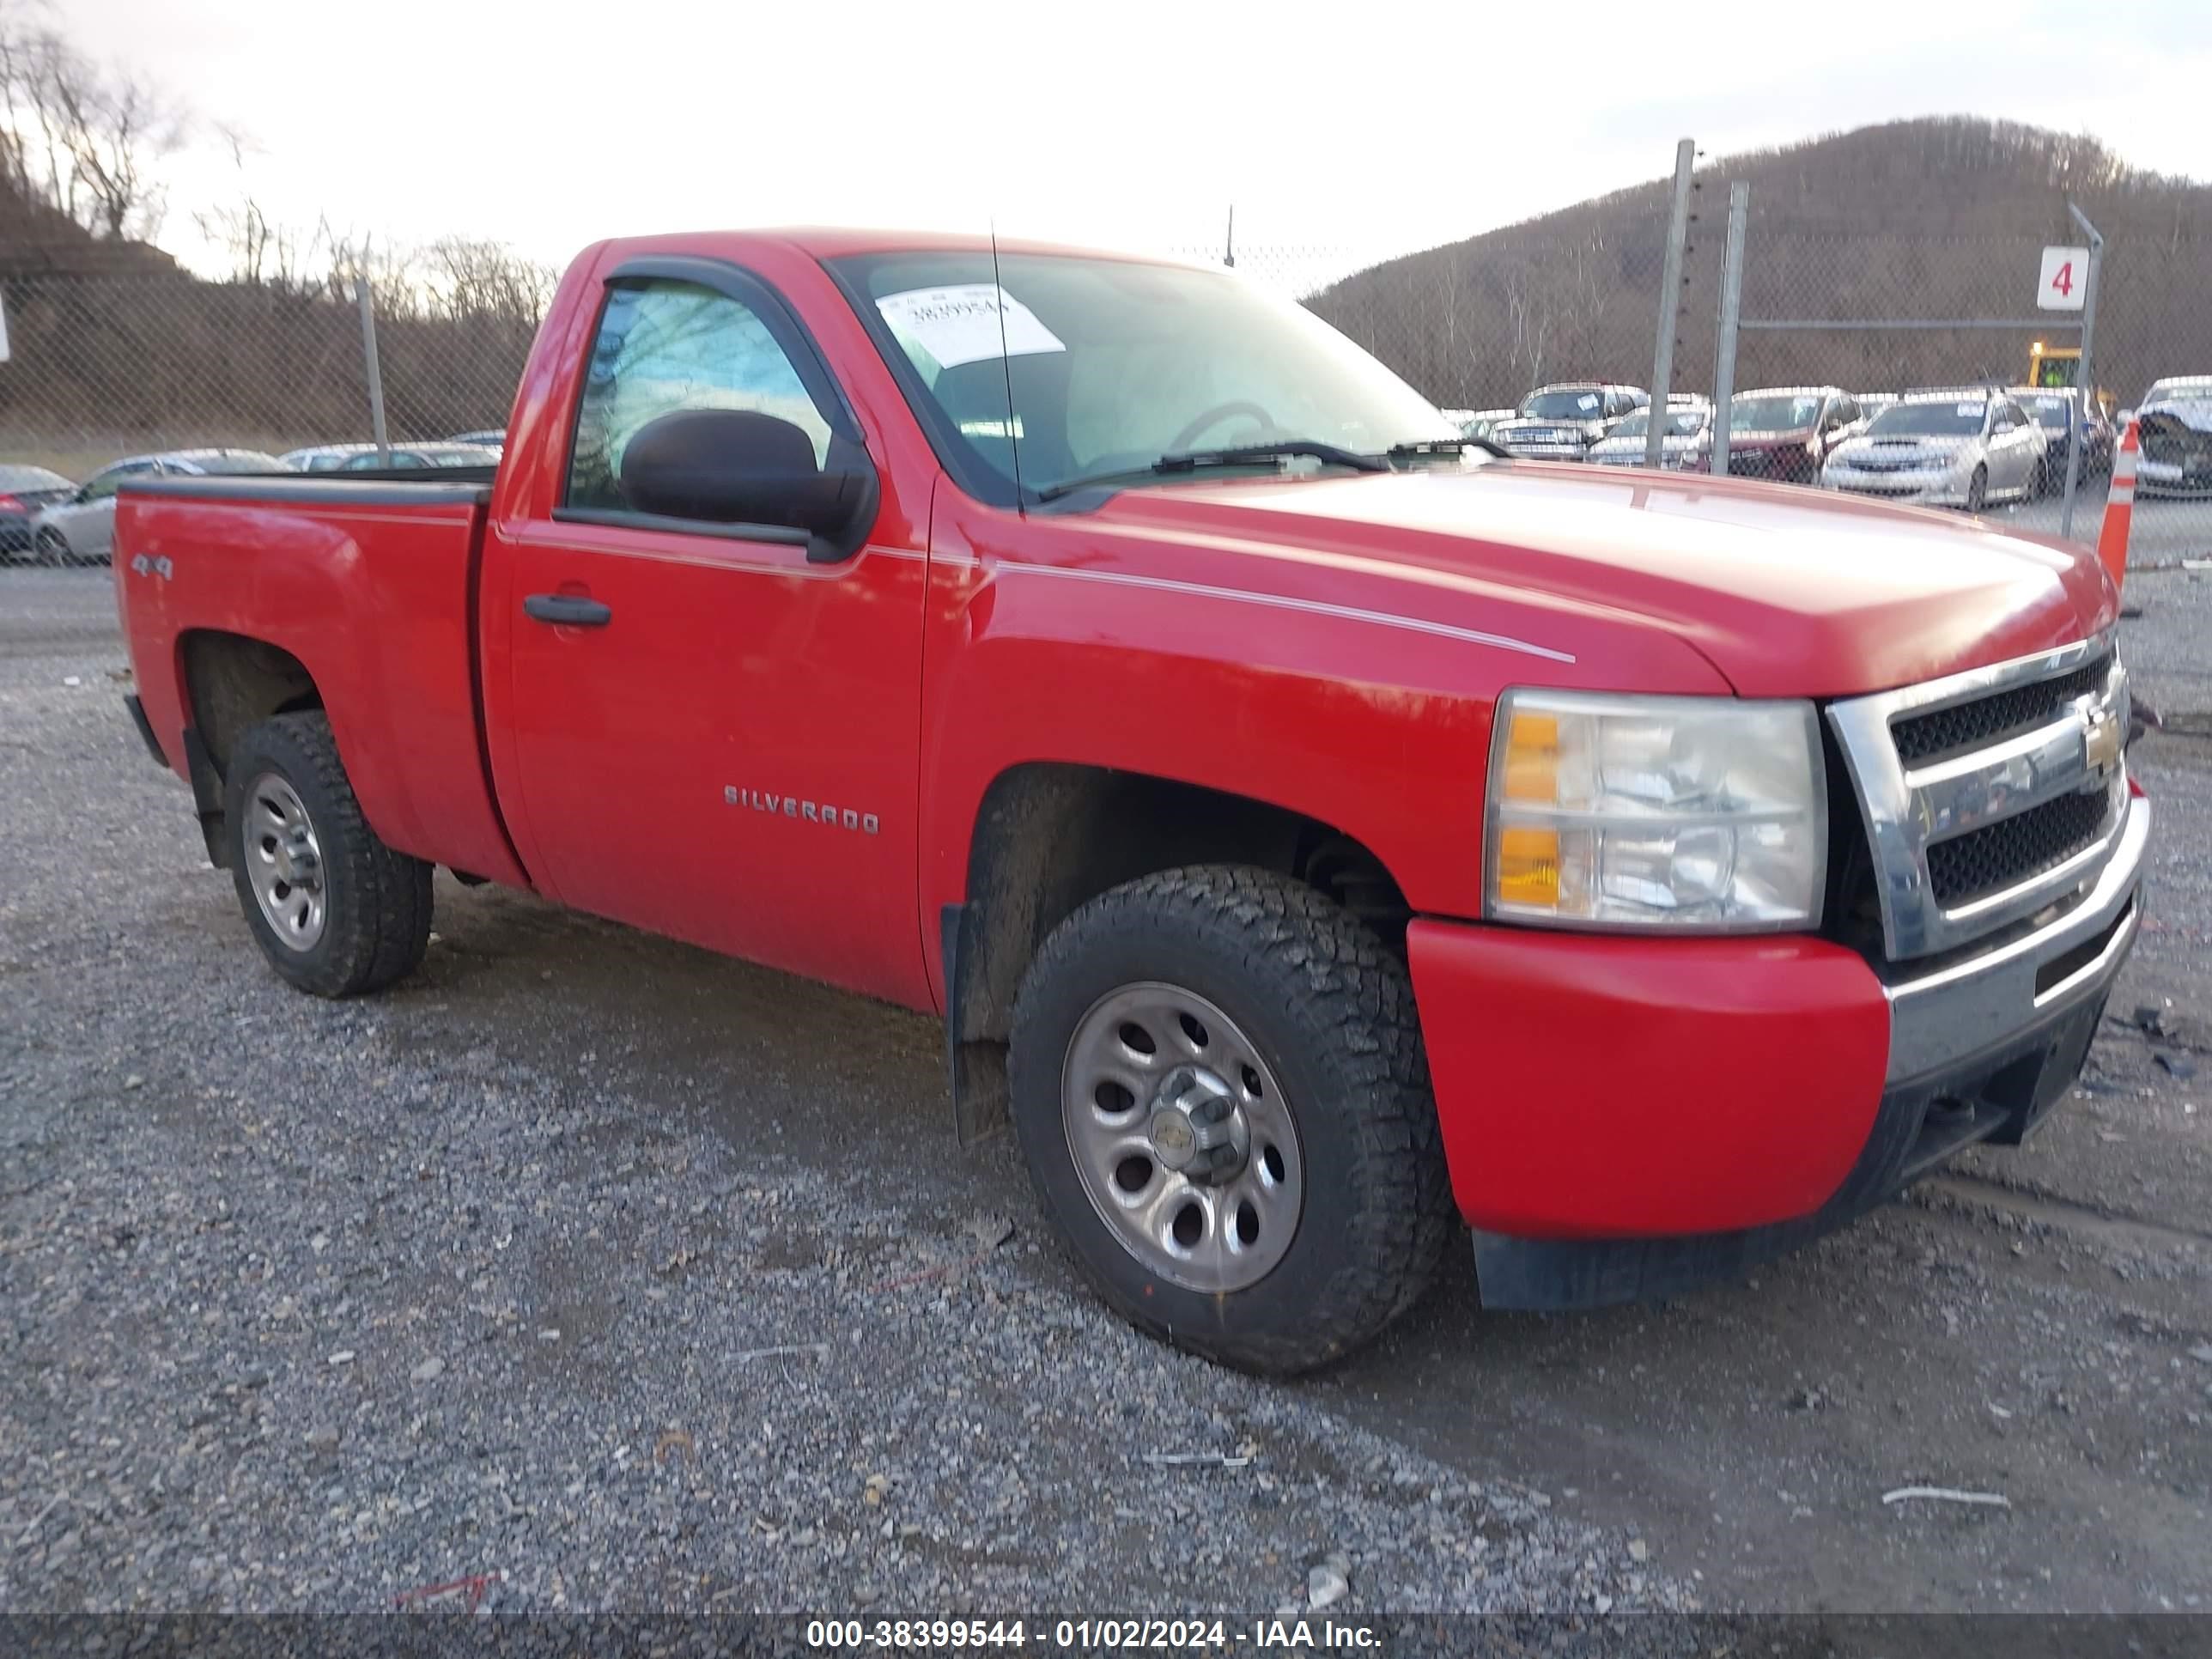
(322, 458)
(1943, 449)
(79, 528)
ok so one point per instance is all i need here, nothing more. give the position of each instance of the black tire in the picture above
(1977, 490)
(2038, 479)
(376, 903)
(53, 548)
(1331, 1011)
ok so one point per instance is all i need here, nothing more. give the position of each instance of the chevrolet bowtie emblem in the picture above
(2101, 739)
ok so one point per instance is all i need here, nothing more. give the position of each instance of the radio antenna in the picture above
(1007, 364)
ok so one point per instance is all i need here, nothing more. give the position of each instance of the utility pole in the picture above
(1670, 301)
(2085, 378)
(363, 297)
(1731, 314)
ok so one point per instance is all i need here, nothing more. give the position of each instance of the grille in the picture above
(1989, 719)
(2015, 849)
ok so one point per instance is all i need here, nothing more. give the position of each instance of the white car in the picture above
(79, 528)
(1943, 449)
(2175, 421)
(1686, 442)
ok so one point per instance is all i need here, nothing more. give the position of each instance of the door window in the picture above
(664, 345)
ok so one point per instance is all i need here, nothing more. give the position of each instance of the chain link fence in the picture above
(105, 367)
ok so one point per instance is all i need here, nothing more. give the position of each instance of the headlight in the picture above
(1704, 814)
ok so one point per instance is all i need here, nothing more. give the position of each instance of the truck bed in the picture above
(369, 581)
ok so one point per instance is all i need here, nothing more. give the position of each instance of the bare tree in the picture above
(1529, 322)
(263, 254)
(86, 140)
(473, 280)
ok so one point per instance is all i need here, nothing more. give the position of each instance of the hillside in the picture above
(115, 347)
(1930, 219)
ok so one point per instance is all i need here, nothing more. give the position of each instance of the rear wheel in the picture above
(1219, 1089)
(335, 910)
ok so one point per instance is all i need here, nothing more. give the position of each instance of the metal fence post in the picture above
(2086, 375)
(364, 297)
(1731, 314)
(1670, 303)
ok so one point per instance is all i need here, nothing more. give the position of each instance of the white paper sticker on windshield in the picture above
(1588, 400)
(961, 323)
(1974, 410)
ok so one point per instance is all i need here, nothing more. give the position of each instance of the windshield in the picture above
(1680, 424)
(1114, 364)
(2049, 411)
(1570, 404)
(1786, 413)
(1931, 420)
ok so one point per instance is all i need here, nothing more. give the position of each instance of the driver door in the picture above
(708, 732)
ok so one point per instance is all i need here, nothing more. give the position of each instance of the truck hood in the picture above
(1784, 592)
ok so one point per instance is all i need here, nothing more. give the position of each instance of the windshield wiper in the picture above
(1194, 460)
(1445, 447)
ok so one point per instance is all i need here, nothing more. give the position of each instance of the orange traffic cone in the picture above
(2119, 509)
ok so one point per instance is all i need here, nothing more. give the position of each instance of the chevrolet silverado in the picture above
(1318, 835)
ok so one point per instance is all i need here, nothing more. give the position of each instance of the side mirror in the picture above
(739, 466)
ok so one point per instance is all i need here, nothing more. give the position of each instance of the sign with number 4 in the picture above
(2065, 283)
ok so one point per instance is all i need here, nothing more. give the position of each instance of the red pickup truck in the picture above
(1316, 832)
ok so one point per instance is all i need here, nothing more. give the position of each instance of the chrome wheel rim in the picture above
(1182, 1139)
(284, 861)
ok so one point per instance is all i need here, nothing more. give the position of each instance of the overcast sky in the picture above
(1366, 128)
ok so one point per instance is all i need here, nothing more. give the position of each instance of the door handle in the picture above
(567, 610)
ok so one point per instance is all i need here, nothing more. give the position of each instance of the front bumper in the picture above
(1627, 1118)
(1919, 488)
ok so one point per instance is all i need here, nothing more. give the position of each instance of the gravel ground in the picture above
(619, 1276)
(2161, 532)
(620, 1304)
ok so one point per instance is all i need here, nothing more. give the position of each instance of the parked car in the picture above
(1943, 449)
(1481, 422)
(1788, 432)
(1314, 843)
(2173, 423)
(1560, 422)
(2058, 410)
(322, 458)
(80, 527)
(1685, 441)
(489, 438)
(412, 456)
(23, 491)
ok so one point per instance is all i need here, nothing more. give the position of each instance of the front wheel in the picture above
(335, 910)
(53, 547)
(1977, 490)
(1220, 1092)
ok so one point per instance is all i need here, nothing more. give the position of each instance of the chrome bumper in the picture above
(1946, 1017)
